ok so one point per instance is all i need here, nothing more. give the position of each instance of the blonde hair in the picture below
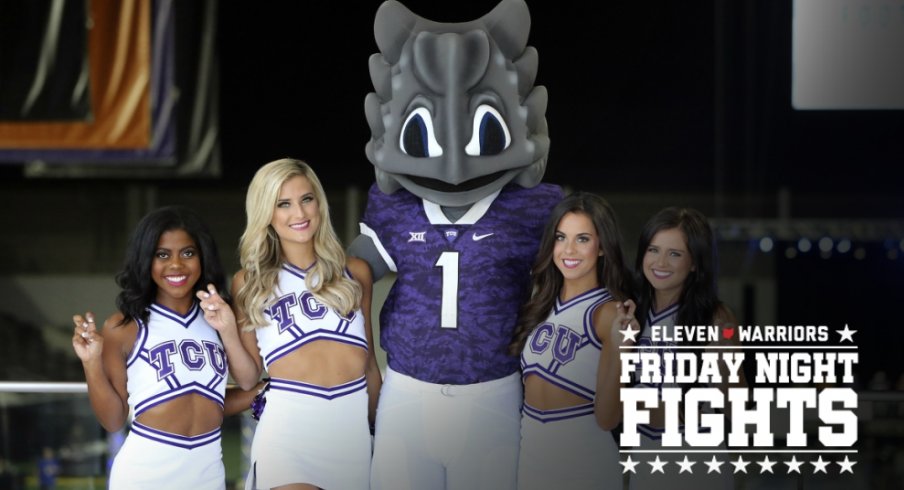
(261, 256)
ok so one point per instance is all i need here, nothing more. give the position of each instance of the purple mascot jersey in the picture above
(449, 317)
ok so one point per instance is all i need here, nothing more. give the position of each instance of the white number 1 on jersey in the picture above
(449, 312)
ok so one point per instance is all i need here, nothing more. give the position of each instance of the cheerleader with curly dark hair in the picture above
(157, 362)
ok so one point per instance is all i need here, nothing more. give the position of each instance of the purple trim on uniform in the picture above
(653, 317)
(217, 379)
(589, 331)
(143, 355)
(138, 347)
(559, 307)
(294, 330)
(297, 271)
(557, 414)
(319, 334)
(327, 393)
(173, 382)
(343, 326)
(566, 385)
(170, 439)
(185, 320)
(183, 390)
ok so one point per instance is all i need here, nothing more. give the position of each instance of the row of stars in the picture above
(740, 465)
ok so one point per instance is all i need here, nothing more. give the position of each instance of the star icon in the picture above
(714, 465)
(740, 464)
(686, 465)
(794, 465)
(846, 334)
(629, 465)
(629, 332)
(657, 465)
(819, 465)
(846, 465)
(766, 465)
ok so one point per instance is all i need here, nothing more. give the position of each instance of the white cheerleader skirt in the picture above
(566, 449)
(153, 459)
(312, 434)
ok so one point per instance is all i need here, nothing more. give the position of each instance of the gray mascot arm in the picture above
(363, 247)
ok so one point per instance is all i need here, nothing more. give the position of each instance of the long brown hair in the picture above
(698, 299)
(546, 280)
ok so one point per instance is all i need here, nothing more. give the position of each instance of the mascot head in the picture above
(455, 114)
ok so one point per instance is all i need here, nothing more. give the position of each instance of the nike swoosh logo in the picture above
(478, 238)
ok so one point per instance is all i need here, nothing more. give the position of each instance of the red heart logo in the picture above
(728, 332)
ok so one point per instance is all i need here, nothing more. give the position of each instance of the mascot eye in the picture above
(418, 138)
(490, 135)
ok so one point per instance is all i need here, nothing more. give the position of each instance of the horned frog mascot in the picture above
(459, 146)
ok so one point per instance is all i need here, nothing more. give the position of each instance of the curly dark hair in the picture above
(138, 289)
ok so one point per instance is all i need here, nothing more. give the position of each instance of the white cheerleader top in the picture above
(296, 318)
(565, 350)
(174, 355)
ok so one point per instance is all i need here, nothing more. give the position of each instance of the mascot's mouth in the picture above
(443, 186)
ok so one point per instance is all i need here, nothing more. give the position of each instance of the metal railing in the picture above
(42, 387)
